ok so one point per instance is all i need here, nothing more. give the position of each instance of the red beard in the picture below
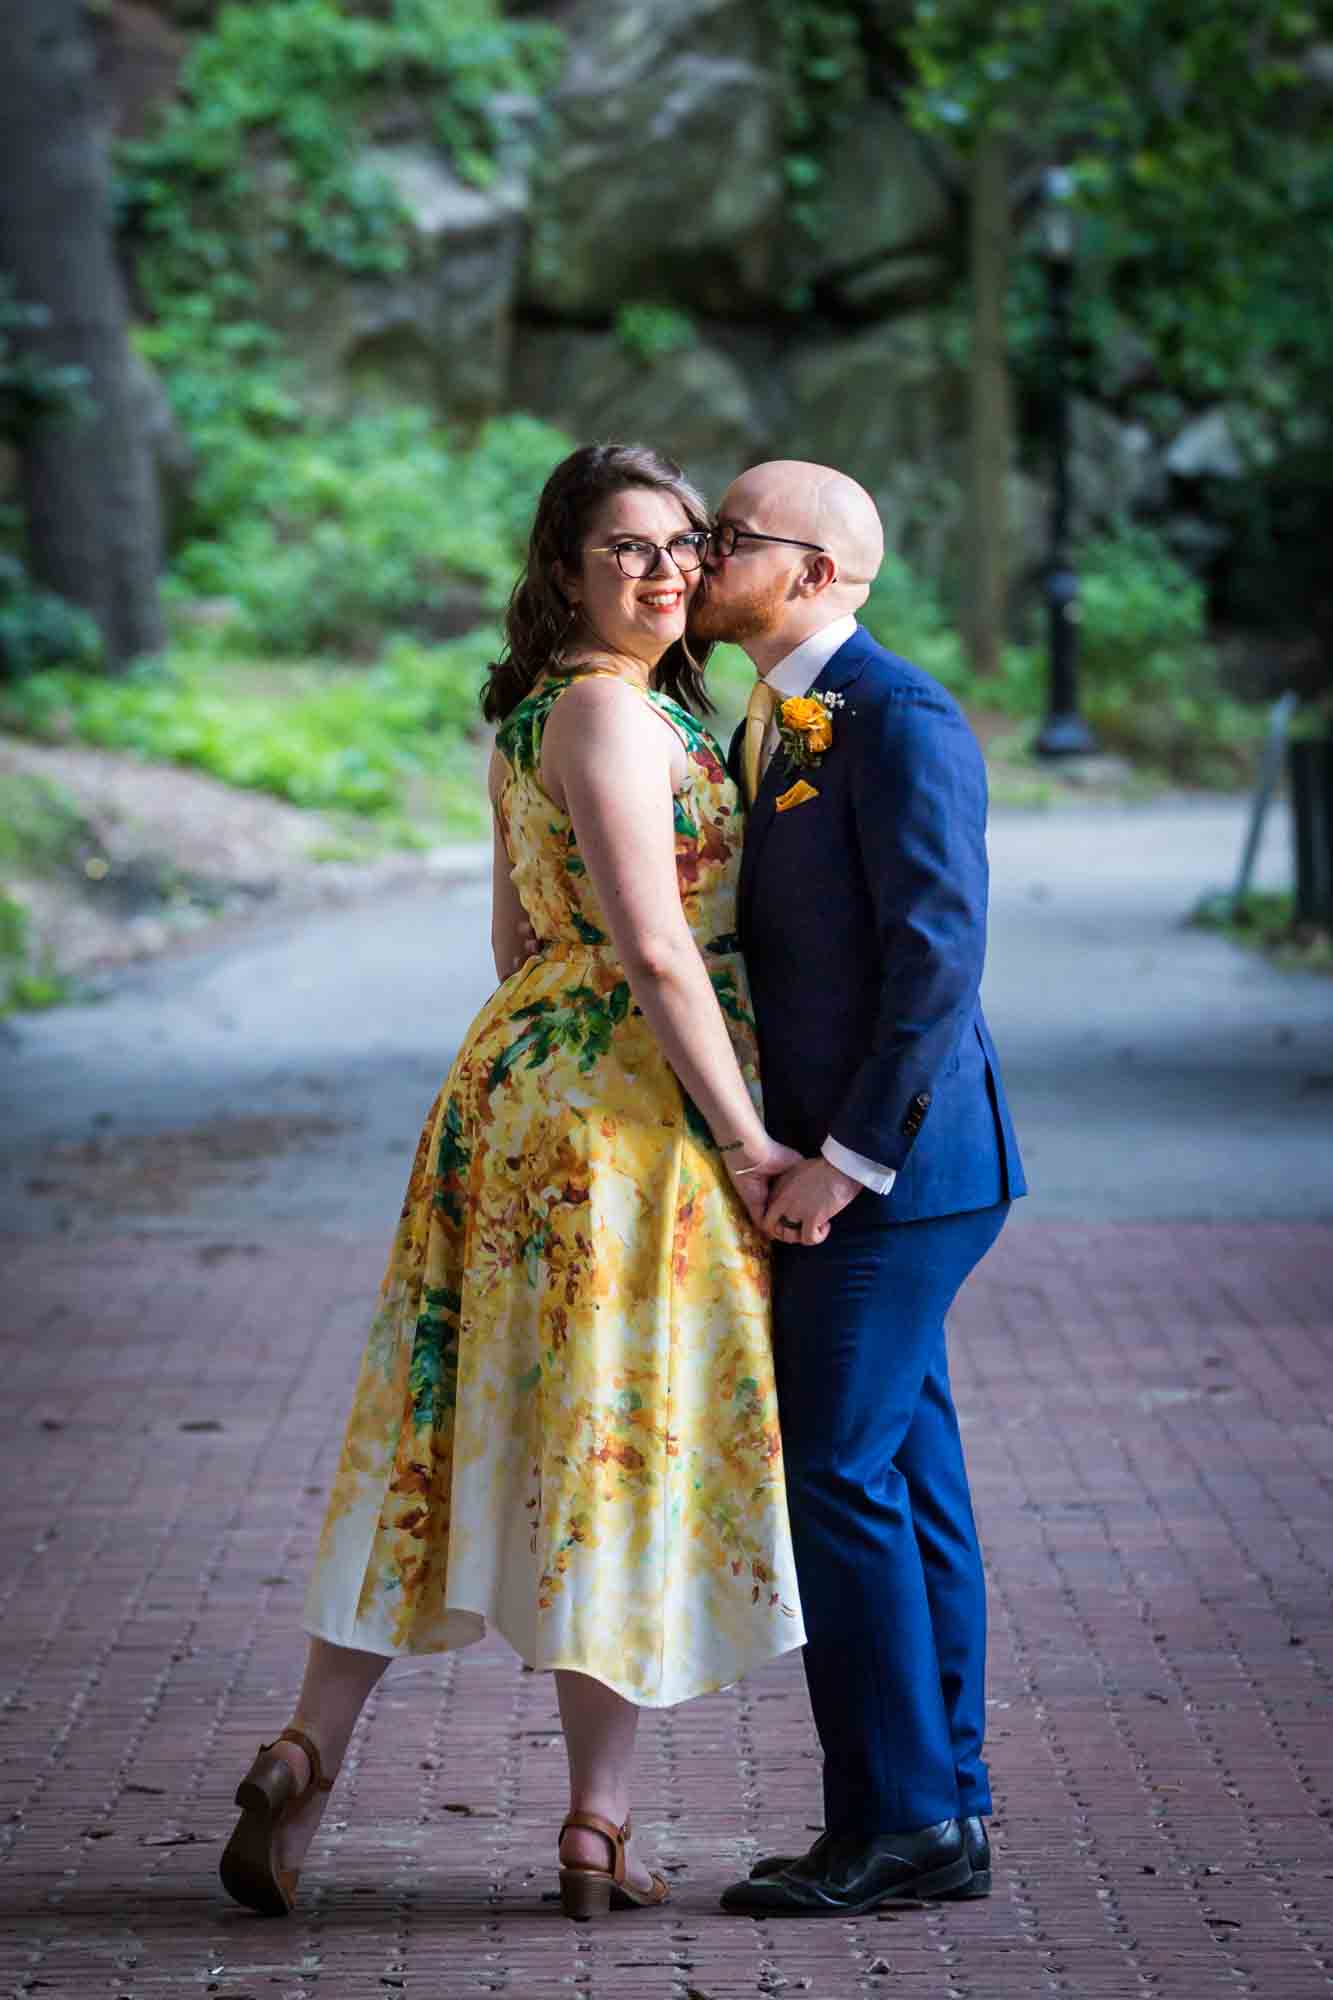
(739, 616)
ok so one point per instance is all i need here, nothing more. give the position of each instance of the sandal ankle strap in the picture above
(318, 1782)
(615, 1835)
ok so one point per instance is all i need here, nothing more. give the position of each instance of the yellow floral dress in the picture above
(565, 1424)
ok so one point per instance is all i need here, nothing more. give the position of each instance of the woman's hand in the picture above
(754, 1168)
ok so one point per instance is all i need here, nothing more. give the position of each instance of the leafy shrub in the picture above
(41, 828)
(1148, 674)
(359, 740)
(39, 629)
(303, 73)
(23, 983)
(32, 388)
(326, 537)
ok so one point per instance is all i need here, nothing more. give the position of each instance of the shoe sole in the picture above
(956, 1876)
(970, 1891)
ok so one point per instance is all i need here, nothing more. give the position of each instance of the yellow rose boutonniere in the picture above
(805, 728)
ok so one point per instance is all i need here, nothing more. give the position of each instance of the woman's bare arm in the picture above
(611, 760)
(509, 925)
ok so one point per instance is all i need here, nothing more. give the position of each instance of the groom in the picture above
(863, 923)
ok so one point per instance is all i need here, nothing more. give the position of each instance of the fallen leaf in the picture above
(167, 1839)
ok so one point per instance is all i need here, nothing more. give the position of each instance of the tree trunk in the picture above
(89, 488)
(990, 428)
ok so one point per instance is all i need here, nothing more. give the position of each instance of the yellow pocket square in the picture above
(797, 796)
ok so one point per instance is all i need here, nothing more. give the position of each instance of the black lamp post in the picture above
(1064, 733)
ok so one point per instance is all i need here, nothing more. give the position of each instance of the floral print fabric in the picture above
(566, 1423)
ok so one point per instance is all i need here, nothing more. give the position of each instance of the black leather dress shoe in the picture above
(847, 1875)
(978, 1854)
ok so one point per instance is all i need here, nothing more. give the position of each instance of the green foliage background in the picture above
(354, 552)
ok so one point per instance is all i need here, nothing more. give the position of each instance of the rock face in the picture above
(655, 175)
(1206, 449)
(884, 405)
(695, 403)
(439, 331)
(1114, 469)
(662, 171)
(883, 217)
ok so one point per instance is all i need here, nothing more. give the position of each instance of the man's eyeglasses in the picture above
(637, 558)
(725, 537)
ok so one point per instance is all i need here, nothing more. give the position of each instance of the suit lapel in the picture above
(843, 669)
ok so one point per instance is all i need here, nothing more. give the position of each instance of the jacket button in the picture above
(922, 1100)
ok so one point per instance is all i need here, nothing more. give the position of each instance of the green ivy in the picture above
(652, 332)
(824, 80)
(275, 103)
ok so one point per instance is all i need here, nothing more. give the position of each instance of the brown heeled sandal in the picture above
(590, 1892)
(267, 1792)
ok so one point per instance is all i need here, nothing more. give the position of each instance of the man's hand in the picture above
(804, 1202)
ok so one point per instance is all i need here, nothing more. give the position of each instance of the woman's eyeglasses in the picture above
(639, 559)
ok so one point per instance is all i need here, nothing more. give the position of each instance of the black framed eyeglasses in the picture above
(640, 558)
(725, 537)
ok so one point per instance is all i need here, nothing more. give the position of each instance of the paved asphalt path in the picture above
(1156, 1071)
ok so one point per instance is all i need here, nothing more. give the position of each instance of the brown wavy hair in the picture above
(540, 621)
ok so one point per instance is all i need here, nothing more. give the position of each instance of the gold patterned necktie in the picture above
(758, 714)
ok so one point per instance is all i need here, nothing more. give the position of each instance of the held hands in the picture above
(754, 1169)
(805, 1200)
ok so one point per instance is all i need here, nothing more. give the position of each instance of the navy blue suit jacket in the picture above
(863, 922)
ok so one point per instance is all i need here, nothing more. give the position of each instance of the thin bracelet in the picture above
(738, 1171)
(733, 1146)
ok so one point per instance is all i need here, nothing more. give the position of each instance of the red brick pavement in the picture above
(1148, 1413)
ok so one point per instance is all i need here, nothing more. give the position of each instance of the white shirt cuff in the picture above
(870, 1174)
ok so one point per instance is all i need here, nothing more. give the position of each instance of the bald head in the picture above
(813, 503)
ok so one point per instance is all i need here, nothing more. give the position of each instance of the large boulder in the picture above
(884, 405)
(1206, 449)
(1115, 469)
(879, 206)
(694, 403)
(438, 331)
(661, 171)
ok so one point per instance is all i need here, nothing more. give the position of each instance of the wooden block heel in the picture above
(592, 1892)
(584, 1893)
(248, 1868)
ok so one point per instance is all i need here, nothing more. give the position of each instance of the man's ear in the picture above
(818, 574)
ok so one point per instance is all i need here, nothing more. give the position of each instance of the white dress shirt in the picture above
(797, 674)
